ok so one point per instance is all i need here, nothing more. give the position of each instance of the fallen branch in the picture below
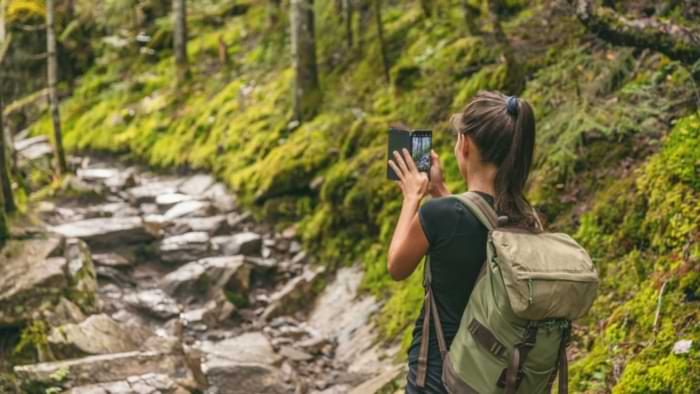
(25, 101)
(659, 303)
(677, 42)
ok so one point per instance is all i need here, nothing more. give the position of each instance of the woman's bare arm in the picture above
(409, 244)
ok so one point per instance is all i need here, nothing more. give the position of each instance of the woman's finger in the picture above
(396, 169)
(409, 160)
(400, 161)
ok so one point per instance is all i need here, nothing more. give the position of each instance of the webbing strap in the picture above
(485, 338)
(429, 310)
(562, 366)
(512, 376)
(480, 208)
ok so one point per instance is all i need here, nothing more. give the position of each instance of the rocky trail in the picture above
(159, 283)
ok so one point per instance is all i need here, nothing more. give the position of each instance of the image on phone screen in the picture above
(421, 151)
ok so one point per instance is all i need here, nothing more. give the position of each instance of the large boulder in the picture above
(208, 275)
(184, 247)
(242, 365)
(106, 232)
(98, 334)
(36, 275)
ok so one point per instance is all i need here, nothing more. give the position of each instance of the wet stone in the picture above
(105, 232)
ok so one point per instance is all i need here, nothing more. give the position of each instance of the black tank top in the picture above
(457, 249)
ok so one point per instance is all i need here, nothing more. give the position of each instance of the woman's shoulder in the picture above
(448, 209)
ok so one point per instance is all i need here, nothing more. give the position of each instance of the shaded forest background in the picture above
(617, 156)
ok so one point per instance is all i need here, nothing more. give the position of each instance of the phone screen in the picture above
(422, 143)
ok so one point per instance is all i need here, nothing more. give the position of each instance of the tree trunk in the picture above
(515, 78)
(380, 36)
(427, 7)
(223, 52)
(676, 42)
(307, 91)
(9, 201)
(4, 229)
(2, 21)
(362, 22)
(273, 12)
(348, 11)
(52, 71)
(180, 39)
(471, 18)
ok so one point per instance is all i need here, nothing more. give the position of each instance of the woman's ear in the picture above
(466, 146)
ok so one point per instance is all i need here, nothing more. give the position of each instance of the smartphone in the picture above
(418, 142)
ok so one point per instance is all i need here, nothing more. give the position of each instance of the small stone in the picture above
(294, 354)
(111, 260)
(169, 199)
(155, 301)
(299, 258)
(193, 208)
(683, 346)
(294, 247)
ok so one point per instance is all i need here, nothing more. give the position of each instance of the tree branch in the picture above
(677, 42)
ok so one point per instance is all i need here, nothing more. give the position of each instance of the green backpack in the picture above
(514, 330)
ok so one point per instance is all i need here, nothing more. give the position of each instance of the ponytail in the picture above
(513, 172)
(503, 129)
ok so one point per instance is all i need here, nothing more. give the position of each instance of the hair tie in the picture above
(512, 105)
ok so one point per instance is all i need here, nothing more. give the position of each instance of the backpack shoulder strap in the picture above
(480, 208)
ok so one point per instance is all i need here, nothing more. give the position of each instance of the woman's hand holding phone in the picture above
(437, 182)
(413, 183)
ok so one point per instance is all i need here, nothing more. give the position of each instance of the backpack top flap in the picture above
(546, 275)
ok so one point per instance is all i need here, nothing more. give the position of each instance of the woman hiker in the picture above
(494, 143)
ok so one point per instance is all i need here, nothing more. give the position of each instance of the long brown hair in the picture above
(503, 129)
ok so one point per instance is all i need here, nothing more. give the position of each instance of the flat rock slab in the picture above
(26, 143)
(154, 301)
(111, 260)
(98, 334)
(246, 243)
(211, 225)
(105, 232)
(192, 208)
(196, 185)
(170, 199)
(102, 369)
(242, 365)
(150, 383)
(185, 247)
(148, 191)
